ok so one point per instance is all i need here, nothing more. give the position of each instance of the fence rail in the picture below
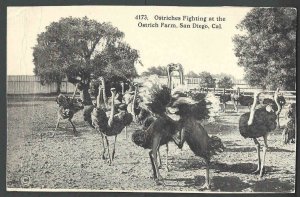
(26, 84)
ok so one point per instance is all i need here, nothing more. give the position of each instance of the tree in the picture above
(206, 80)
(160, 71)
(72, 47)
(191, 74)
(267, 47)
(225, 82)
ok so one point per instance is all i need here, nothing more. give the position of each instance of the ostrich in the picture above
(194, 134)
(224, 98)
(112, 125)
(149, 112)
(241, 99)
(164, 129)
(289, 132)
(67, 108)
(259, 123)
(281, 101)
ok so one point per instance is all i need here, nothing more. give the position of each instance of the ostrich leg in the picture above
(103, 143)
(107, 144)
(74, 129)
(167, 150)
(113, 153)
(57, 124)
(258, 155)
(152, 164)
(179, 142)
(207, 180)
(224, 107)
(125, 132)
(278, 125)
(265, 148)
(153, 156)
(159, 158)
(235, 106)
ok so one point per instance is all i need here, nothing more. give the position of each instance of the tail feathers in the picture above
(142, 138)
(160, 98)
(215, 145)
(195, 106)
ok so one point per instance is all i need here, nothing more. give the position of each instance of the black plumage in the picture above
(263, 123)
(245, 100)
(67, 108)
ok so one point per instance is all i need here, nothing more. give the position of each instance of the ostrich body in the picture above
(259, 123)
(241, 99)
(224, 98)
(67, 108)
(281, 101)
(109, 126)
(158, 128)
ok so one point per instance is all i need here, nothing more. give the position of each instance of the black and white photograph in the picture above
(151, 99)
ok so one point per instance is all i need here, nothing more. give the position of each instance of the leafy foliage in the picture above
(191, 74)
(160, 71)
(225, 82)
(267, 47)
(206, 80)
(73, 47)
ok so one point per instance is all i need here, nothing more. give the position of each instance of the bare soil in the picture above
(35, 160)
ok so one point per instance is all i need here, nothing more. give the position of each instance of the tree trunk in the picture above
(85, 96)
(58, 84)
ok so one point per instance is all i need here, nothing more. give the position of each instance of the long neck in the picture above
(123, 91)
(279, 108)
(169, 79)
(252, 110)
(181, 77)
(104, 92)
(112, 110)
(99, 97)
(134, 99)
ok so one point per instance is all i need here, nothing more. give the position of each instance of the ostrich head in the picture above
(113, 91)
(215, 145)
(62, 100)
(123, 87)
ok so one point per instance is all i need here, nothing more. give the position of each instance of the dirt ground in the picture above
(35, 160)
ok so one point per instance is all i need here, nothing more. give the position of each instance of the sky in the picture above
(197, 49)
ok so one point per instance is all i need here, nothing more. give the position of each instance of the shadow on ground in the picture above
(235, 184)
(242, 168)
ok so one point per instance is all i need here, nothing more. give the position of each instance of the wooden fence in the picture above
(27, 84)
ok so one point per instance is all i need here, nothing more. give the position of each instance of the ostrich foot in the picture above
(52, 135)
(257, 171)
(160, 181)
(103, 156)
(75, 133)
(113, 155)
(206, 186)
(167, 168)
(262, 172)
